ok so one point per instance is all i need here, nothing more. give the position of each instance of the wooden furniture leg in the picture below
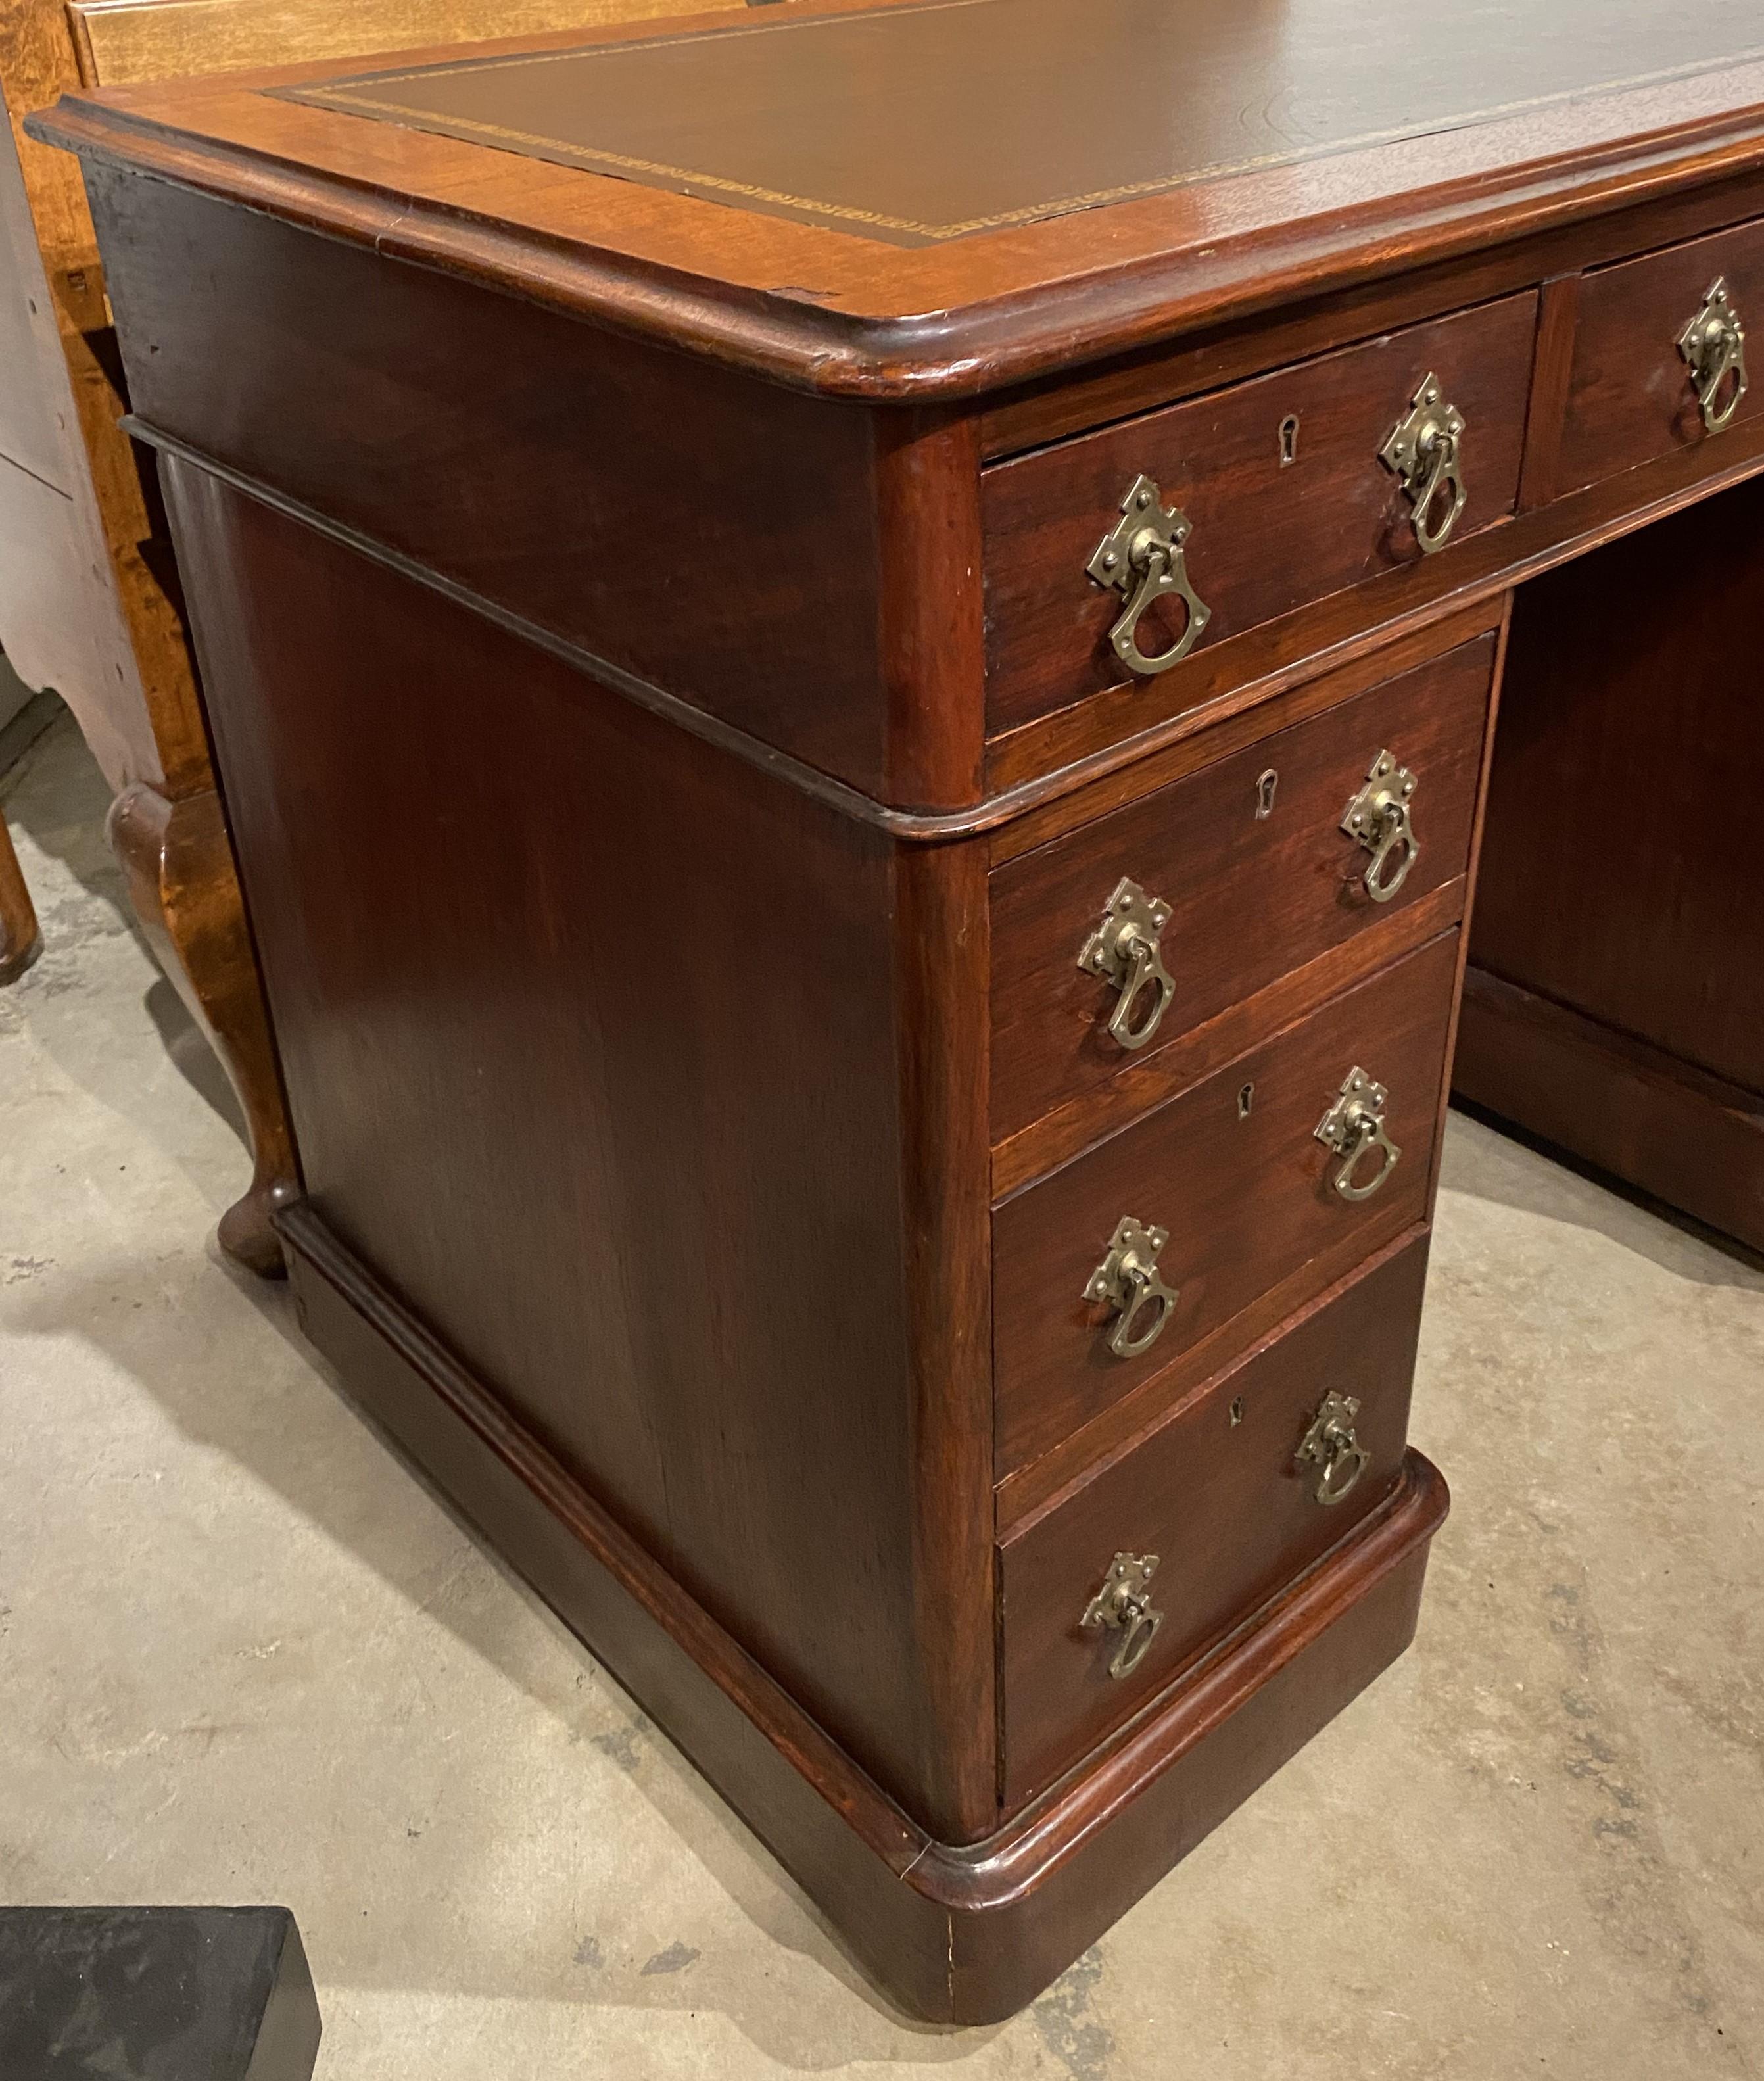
(85, 609)
(179, 867)
(20, 941)
(88, 602)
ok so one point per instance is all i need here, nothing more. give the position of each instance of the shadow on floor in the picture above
(296, 1431)
(1572, 1191)
(57, 800)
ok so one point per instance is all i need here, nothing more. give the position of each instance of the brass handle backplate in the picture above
(1353, 1127)
(1378, 817)
(1421, 450)
(1124, 950)
(1127, 1279)
(1713, 345)
(1331, 1446)
(1142, 556)
(1123, 1605)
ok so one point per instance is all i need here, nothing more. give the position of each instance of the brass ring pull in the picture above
(1123, 1605)
(1421, 450)
(1713, 345)
(1353, 1127)
(1378, 817)
(1124, 950)
(1142, 556)
(1127, 1279)
(1331, 1446)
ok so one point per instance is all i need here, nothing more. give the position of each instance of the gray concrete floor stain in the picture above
(245, 1653)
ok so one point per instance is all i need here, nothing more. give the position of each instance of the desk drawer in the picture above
(1257, 874)
(1225, 1496)
(1281, 481)
(1233, 1173)
(1630, 394)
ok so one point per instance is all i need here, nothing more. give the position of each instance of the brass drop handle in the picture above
(1127, 1279)
(1124, 950)
(1713, 344)
(1378, 817)
(1353, 1127)
(1123, 1605)
(1142, 556)
(1421, 450)
(1331, 1446)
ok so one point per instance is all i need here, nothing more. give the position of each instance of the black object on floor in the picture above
(155, 1993)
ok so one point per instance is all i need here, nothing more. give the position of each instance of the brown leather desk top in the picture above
(944, 119)
(933, 197)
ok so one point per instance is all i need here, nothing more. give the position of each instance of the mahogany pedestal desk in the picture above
(852, 656)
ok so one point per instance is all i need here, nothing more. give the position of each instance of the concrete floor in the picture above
(245, 1655)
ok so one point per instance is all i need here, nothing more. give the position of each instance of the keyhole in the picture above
(1289, 440)
(1265, 788)
(1246, 1098)
(1237, 1411)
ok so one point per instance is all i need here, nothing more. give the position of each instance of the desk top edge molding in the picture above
(909, 332)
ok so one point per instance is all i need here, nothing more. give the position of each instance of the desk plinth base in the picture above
(957, 1935)
(1659, 1124)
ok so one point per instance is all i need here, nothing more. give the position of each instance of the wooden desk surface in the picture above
(931, 199)
(945, 118)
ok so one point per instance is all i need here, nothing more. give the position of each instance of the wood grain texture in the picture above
(819, 308)
(1138, 1088)
(88, 598)
(1077, 747)
(1472, 883)
(1558, 319)
(1247, 1200)
(1185, 749)
(720, 537)
(700, 1247)
(1217, 1491)
(1031, 415)
(929, 600)
(58, 617)
(1268, 537)
(940, 124)
(957, 1935)
(1623, 866)
(177, 860)
(940, 930)
(116, 653)
(123, 43)
(1252, 897)
(1647, 1118)
(1630, 397)
(594, 612)
(20, 940)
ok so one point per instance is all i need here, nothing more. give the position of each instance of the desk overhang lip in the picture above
(915, 353)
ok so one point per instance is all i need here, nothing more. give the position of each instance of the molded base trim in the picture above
(956, 1935)
(1648, 1118)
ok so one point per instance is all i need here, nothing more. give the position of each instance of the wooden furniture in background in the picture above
(888, 1161)
(20, 940)
(89, 598)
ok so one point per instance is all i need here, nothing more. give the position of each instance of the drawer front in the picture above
(1259, 876)
(1267, 533)
(1234, 1175)
(1226, 1497)
(1631, 395)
